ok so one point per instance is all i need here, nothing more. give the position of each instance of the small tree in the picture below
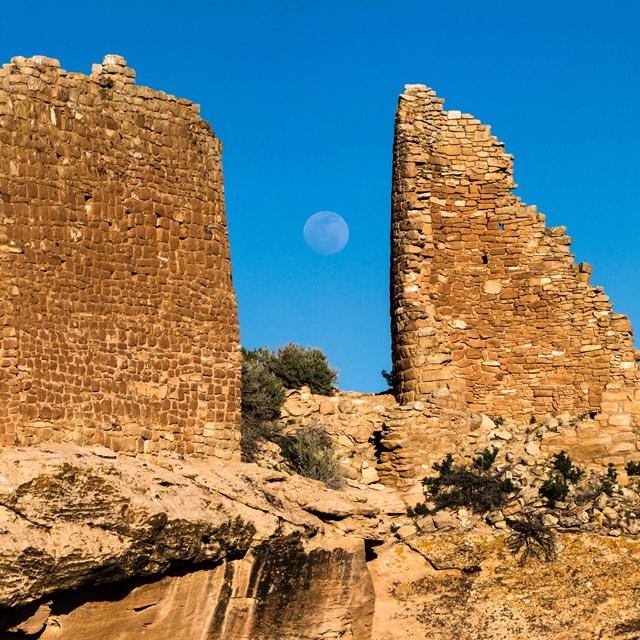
(262, 399)
(298, 366)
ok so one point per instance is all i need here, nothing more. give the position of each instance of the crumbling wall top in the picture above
(489, 309)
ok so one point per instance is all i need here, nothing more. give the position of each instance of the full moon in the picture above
(326, 232)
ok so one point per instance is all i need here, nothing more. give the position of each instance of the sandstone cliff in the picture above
(98, 546)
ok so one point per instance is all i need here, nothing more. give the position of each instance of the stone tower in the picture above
(489, 310)
(118, 320)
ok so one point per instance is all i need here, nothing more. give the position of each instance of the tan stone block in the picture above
(621, 447)
(620, 420)
(589, 452)
(327, 407)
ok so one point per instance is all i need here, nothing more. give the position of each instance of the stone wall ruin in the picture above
(118, 319)
(489, 310)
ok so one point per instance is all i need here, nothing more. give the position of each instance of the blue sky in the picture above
(303, 95)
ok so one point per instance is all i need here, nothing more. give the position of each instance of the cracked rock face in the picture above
(94, 546)
(467, 585)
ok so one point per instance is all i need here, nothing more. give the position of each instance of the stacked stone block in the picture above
(117, 313)
(377, 438)
(489, 310)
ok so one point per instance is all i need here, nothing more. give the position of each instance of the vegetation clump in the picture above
(262, 399)
(609, 480)
(265, 376)
(310, 452)
(563, 463)
(633, 468)
(476, 487)
(531, 536)
(556, 488)
(486, 459)
(297, 367)
(388, 378)
(418, 510)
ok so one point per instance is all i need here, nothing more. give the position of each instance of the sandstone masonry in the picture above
(489, 310)
(117, 313)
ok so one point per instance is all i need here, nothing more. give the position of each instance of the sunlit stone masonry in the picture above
(489, 310)
(118, 320)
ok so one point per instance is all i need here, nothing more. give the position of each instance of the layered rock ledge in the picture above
(94, 545)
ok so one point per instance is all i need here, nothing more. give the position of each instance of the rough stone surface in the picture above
(118, 321)
(489, 310)
(468, 586)
(95, 546)
(402, 442)
(373, 430)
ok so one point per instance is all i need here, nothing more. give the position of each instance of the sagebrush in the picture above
(311, 453)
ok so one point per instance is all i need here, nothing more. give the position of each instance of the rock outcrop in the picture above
(98, 546)
(467, 585)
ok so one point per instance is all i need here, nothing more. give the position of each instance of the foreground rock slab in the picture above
(98, 546)
(467, 585)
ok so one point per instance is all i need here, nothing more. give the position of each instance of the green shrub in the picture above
(563, 463)
(265, 375)
(262, 391)
(609, 480)
(474, 488)
(554, 489)
(498, 421)
(432, 484)
(633, 468)
(530, 533)
(310, 452)
(262, 399)
(297, 366)
(486, 459)
(418, 510)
